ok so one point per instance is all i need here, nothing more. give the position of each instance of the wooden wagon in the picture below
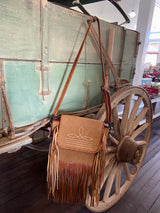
(38, 44)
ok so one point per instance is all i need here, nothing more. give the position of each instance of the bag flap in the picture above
(80, 134)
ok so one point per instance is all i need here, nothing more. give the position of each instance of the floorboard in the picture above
(23, 184)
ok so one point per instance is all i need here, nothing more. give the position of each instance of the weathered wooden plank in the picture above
(15, 162)
(155, 207)
(147, 190)
(148, 168)
(153, 149)
(44, 69)
(20, 29)
(5, 114)
(153, 194)
(30, 198)
(66, 30)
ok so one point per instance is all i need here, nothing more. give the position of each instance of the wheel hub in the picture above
(129, 151)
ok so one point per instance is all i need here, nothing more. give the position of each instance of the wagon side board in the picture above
(39, 42)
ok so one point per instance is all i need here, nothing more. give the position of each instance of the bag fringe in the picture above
(69, 182)
(52, 166)
(72, 182)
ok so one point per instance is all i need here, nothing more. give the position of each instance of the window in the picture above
(151, 58)
(153, 47)
(153, 51)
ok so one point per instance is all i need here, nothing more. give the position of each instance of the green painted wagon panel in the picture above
(130, 47)
(128, 72)
(20, 29)
(23, 85)
(49, 39)
(66, 32)
(75, 97)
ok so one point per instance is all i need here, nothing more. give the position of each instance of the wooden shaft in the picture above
(9, 112)
(110, 52)
(4, 95)
(116, 79)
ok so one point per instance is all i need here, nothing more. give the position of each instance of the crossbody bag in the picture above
(76, 157)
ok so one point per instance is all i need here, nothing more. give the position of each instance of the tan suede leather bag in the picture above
(76, 156)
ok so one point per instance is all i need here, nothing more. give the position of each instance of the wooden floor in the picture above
(23, 184)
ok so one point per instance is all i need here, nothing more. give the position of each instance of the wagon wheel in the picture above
(126, 148)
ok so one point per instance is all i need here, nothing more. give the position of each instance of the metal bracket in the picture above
(43, 68)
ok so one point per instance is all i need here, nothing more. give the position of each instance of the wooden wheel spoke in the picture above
(116, 123)
(113, 185)
(109, 158)
(135, 109)
(113, 139)
(107, 171)
(118, 180)
(134, 112)
(140, 130)
(110, 183)
(138, 119)
(125, 116)
(127, 172)
(141, 143)
(134, 170)
(111, 149)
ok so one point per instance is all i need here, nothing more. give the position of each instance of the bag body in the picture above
(76, 167)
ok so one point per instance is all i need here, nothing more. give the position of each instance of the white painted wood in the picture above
(156, 115)
(155, 100)
(13, 147)
(144, 21)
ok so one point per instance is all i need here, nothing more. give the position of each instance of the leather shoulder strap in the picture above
(71, 73)
(105, 91)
